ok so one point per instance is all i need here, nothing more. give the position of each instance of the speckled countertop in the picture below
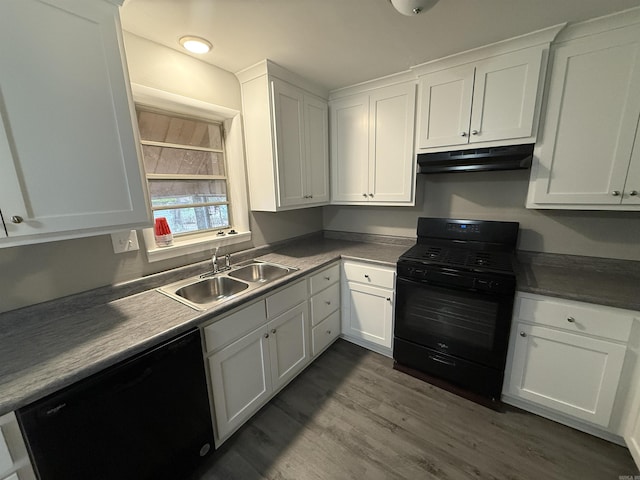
(49, 346)
(615, 283)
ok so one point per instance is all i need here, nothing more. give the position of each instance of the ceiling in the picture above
(337, 43)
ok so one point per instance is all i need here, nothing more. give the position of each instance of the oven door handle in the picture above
(442, 360)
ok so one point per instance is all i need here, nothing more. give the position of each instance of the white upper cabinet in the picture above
(286, 138)
(588, 156)
(372, 158)
(69, 154)
(485, 97)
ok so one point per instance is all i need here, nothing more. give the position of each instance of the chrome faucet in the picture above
(214, 262)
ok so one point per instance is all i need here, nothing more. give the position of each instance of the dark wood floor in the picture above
(350, 415)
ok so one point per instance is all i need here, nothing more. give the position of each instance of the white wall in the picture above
(499, 196)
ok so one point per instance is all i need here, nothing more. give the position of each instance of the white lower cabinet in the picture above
(367, 305)
(289, 344)
(241, 380)
(14, 459)
(246, 373)
(254, 352)
(573, 374)
(566, 361)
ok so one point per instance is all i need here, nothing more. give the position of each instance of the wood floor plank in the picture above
(350, 415)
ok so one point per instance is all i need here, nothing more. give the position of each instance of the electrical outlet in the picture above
(125, 241)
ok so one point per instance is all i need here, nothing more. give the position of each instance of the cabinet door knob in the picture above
(328, 332)
(371, 194)
(388, 299)
(633, 193)
(571, 319)
(273, 331)
(17, 219)
(366, 276)
(616, 193)
(327, 278)
(364, 194)
(522, 334)
(328, 302)
(266, 335)
(463, 134)
(474, 132)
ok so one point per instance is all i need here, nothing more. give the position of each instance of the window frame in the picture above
(202, 241)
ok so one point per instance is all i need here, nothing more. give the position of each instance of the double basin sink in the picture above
(206, 291)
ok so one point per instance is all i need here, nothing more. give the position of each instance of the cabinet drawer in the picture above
(324, 303)
(285, 299)
(370, 275)
(576, 317)
(234, 326)
(325, 332)
(323, 279)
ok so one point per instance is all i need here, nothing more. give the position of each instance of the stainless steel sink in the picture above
(211, 289)
(208, 290)
(260, 272)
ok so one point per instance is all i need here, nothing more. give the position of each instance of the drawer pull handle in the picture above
(266, 335)
(328, 302)
(327, 278)
(366, 276)
(273, 331)
(328, 332)
(522, 334)
(442, 360)
(17, 219)
(571, 320)
(388, 299)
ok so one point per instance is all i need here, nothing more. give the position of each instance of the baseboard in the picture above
(387, 352)
(569, 422)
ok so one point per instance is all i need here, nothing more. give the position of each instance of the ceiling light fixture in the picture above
(412, 7)
(195, 44)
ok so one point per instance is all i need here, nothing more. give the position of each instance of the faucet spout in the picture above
(214, 261)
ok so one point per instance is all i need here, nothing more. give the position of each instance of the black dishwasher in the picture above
(147, 417)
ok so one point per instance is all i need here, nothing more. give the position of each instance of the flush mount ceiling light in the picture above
(412, 7)
(195, 44)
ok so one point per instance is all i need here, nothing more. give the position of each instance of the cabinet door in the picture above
(289, 344)
(73, 162)
(240, 379)
(350, 149)
(368, 314)
(504, 96)
(591, 119)
(289, 133)
(445, 107)
(391, 167)
(572, 374)
(316, 122)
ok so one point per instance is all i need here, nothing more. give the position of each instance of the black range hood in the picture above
(512, 157)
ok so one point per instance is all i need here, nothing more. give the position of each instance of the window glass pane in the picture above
(158, 127)
(185, 162)
(185, 220)
(186, 192)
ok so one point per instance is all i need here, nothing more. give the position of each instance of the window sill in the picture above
(190, 246)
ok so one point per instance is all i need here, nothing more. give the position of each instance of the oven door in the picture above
(463, 323)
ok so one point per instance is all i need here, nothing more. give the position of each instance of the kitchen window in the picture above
(194, 165)
(185, 168)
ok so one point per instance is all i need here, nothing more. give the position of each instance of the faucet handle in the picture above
(227, 260)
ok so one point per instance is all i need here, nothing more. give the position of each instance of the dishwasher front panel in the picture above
(145, 418)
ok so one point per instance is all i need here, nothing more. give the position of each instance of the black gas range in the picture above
(454, 301)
